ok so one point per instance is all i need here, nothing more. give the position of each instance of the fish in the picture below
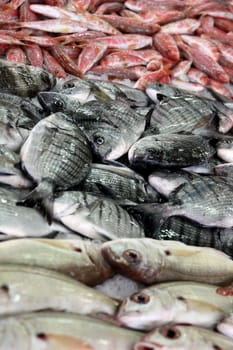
(183, 230)
(225, 151)
(169, 150)
(182, 114)
(81, 260)
(19, 221)
(165, 182)
(24, 80)
(194, 303)
(226, 325)
(183, 337)
(122, 182)
(34, 330)
(10, 173)
(107, 127)
(17, 298)
(56, 154)
(223, 169)
(148, 261)
(94, 217)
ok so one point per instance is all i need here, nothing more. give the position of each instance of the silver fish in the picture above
(148, 261)
(81, 260)
(169, 150)
(24, 80)
(56, 154)
(194, 303)
(226, 325)
(207, 200)
(180, 337)
(225, 150)
(183, 230)
(122, 182)
(94, 217)
(36, 331)
(10, 174)
(16, 297)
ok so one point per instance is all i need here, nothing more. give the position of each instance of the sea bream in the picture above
(181, 337)
(81, 260)
(148, 261)
(56, 154)
(194, 303)
(24, 80)
(17, 297)
(37, 330)
(169, 150)
(121, 182)
(94, 217)
(207, 200)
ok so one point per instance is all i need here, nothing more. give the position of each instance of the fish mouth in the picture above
(43, 99)
(147, 346)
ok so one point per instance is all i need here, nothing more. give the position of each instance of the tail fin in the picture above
(41, 197)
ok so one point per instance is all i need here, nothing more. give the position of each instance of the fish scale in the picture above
(173, 115)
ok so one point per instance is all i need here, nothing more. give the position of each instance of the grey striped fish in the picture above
(56, 154)
(24, 80)
(183, 230)
(94, 217)
(122, 182)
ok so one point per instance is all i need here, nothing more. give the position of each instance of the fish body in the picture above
(94, 217)
(108, 127)
(183, 230)
(226, 326)
(198, 304)
(122, 181)
(56, 153)
(184, 337)
(17, 298)
(148, 261)
(24, 80)
(33, 329)
(225, 150)
(169, 150)
(81, 260)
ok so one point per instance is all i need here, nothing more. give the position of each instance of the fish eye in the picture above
(99, 140)
(45, 78)
(58, 103)
(140, 298)
(170, 332)
(68, 85)
(132, 256)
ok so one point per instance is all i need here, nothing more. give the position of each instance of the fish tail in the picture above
(41, 197)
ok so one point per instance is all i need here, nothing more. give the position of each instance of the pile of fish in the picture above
(187, 43)
(116, 215)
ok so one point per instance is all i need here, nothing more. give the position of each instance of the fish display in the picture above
(198, 304)
(116, 158)
(184, 337)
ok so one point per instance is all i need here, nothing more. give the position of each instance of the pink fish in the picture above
(131, 25)
(16, 54)
(184, 26)
(219, 88)
(52, 65)
(56, 26)
(161, 75)
(126, 41)
(65, 61)
(132, 73)
(197, 76)
(166, 45)
(122, 59)
(34, 55)
(90, 55)
(108, 8)
(207, 47)
(181, 69)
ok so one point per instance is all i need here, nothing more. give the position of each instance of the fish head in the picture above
(52, 101)
(46, 81)
(146, 309)
(108, 143)
(147, 153)
(132, 259)
(170, 337)
(157, 91)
